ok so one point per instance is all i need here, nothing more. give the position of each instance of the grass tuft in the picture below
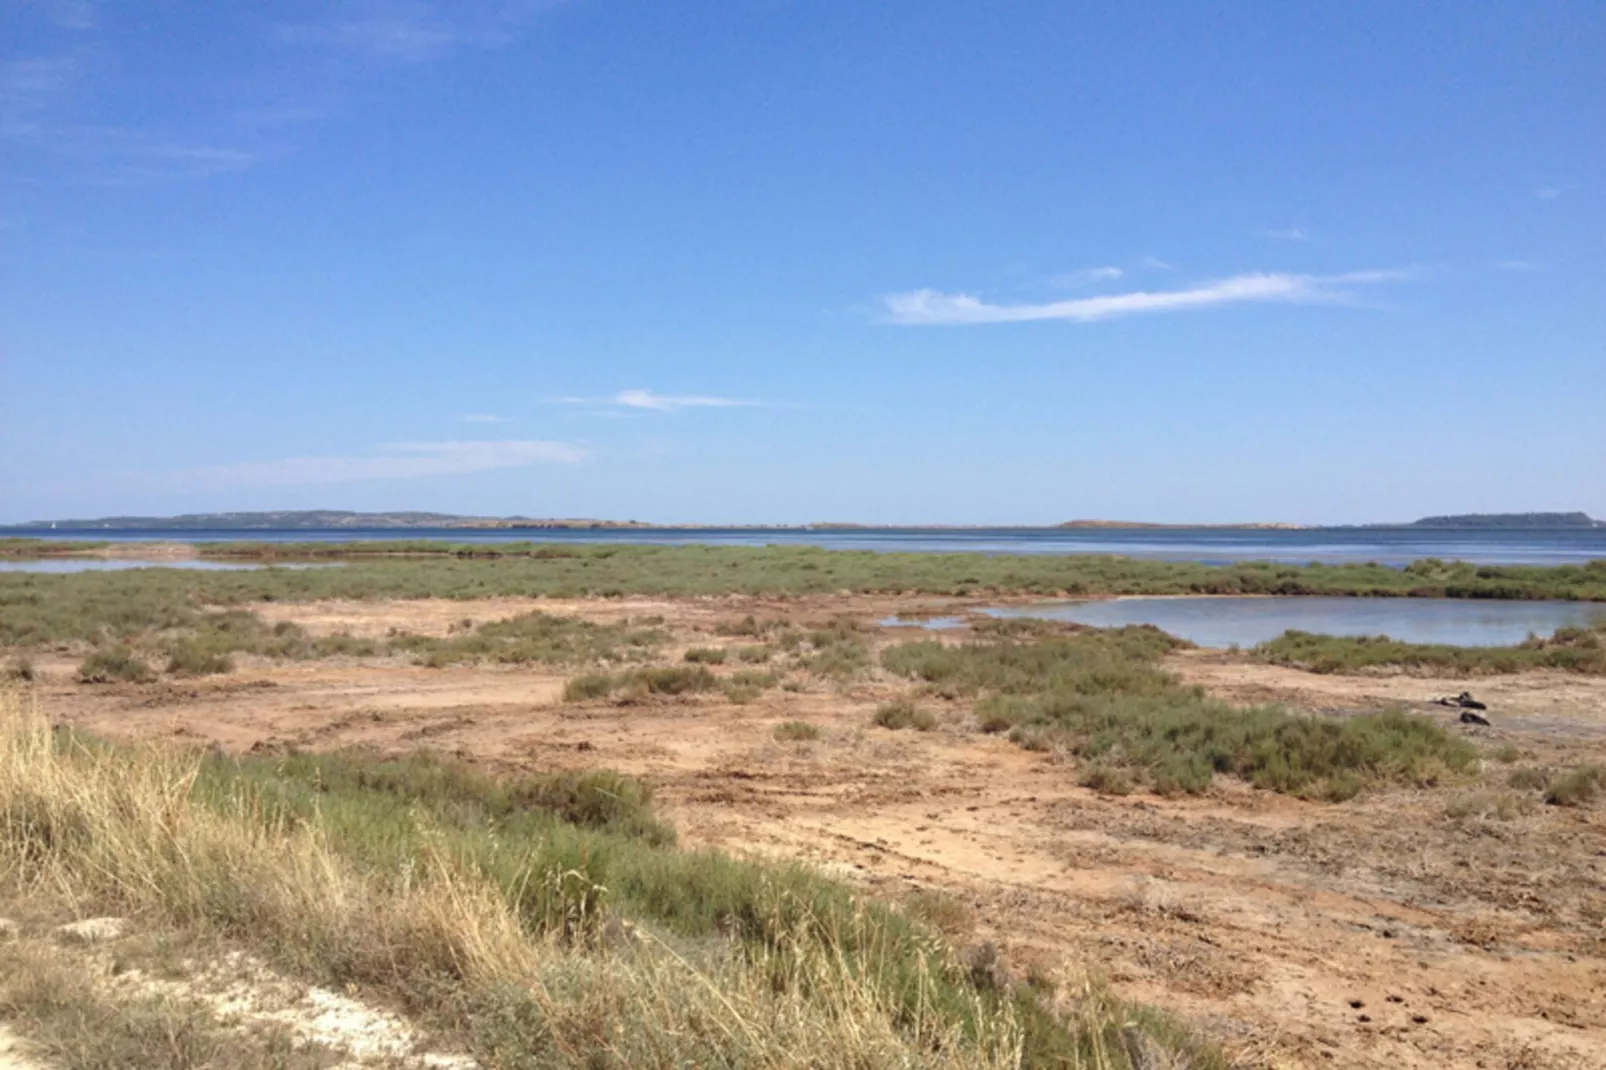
(796, 732)
(903, 713)
(116, 665)
(1576, 786)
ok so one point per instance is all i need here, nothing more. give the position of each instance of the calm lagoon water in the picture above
(1221, 622)
(1390, 546)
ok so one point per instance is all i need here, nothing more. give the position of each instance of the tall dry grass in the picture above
(103, 827)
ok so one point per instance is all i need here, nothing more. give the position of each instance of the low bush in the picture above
(21, 669)
(706, 655)
(118, 664)
(796, 732)
(639, 683)
(193, 659)
(1576, 786)
(902, 713)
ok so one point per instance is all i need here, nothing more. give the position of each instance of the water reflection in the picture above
(1222, 622)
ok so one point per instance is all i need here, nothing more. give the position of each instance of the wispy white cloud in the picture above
(1287, 234)
(1519, 265)
(1154, 263)
(407, 460)
(1547, 193)
(1071, 280)
(650, 400)
(646, 399)
(484, 418)
(931, 307)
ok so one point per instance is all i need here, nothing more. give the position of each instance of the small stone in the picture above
(1357, 1003)
(1420, 1019)
(92, 930)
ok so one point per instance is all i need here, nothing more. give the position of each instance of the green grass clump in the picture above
(540, 638)
(840, 652)
(706, 655)
(1103, 696)
(1581, 650)
(113, 666)
(1576, 786)
(189, 658)
(796, 732)
(903, 713)
(639, 683)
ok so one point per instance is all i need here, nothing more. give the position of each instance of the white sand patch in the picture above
(12, 1055)
(241, 991)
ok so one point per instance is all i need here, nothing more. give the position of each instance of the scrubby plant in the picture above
(706, 655)
(796, 732)
(190, 658)
(903, 713)
(116, 664)
(1576, 786)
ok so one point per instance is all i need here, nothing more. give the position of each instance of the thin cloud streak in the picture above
(1086, 277)
(406, 460)
(933, 308)
(1287, 234)
(484, 418)
(648, 400)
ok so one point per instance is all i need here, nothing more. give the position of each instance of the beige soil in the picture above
(1374, 933)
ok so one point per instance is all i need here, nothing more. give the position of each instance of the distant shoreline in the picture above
(338, 520)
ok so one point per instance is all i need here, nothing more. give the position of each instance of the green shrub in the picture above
(591, 685)
(1576, 786)
(193, 659)
(114, 665)
(902, 713)
(706, 655)
(796, 732)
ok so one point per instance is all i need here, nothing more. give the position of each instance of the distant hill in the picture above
(1511, 520)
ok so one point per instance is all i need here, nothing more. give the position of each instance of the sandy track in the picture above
(1376, 933)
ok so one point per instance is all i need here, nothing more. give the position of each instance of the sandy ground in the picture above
(1375, 933)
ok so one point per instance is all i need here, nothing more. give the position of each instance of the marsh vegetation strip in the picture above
(1245, 622)
(434, 570)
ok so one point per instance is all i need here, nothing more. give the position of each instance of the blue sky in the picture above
(760, 261)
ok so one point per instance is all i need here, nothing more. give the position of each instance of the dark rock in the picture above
(1467, 702)
(1468, 717)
